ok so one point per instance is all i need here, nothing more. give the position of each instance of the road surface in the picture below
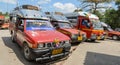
(87, 53)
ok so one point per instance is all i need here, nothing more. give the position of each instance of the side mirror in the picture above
(57, 27)
(88, 25)
(21, 28)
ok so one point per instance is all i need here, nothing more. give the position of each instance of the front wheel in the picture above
(92, 40)
(27, 53)
(114, 37)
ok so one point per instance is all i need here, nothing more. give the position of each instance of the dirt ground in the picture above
(87, 53)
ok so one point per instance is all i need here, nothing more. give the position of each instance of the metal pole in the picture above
(17, 3)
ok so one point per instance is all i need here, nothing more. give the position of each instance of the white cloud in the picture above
(9, 1)
(105, 5)
(43, 1)
(65, 8)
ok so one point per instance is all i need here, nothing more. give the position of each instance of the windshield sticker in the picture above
(38, 25)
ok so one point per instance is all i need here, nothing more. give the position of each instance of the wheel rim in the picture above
(115, 37)
(26, 52)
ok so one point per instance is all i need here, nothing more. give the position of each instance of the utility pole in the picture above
(17, 3)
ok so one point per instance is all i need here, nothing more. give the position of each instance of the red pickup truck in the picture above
(35, 34)
(62, 24)
(115, 35)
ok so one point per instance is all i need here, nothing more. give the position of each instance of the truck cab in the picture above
(112, 34)
(81, 21)
(62, 24)
(35, 34)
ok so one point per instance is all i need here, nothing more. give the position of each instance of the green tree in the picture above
(1, 13)
(93, 5)
(118, 12)
(6, 14)
(99, 15)
(111, 18)
(77, 10)
(117, 2)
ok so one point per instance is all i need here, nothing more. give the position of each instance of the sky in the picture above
(64, 6)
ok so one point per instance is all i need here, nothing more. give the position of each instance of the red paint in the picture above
(37, 36)
(111, 33)
(46, 36)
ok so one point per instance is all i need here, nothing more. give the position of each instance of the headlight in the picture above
(41, 45)
(73, 36)
(83, 35)
(67, 41)
(93, 34)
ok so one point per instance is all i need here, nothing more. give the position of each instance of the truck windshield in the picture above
(109, 29)
(64, 25)
(38, 25)
(60, 17)
(97, 25)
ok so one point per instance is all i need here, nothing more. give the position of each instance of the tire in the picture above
(13, 37)
(103, 39)
(27, 53)
(114, 37)
(92, 40)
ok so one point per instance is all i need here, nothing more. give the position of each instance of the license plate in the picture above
(79, 38)
(98, 37)
(57, 51)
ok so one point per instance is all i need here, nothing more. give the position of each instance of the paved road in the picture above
(85, 54)
(99, 53)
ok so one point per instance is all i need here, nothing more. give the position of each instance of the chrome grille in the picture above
(83, 35)
(75, 36)
(52, 44)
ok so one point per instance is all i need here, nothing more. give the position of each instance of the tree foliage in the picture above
(77, 10)
(112, 16)
(93, 5)
(99, 15)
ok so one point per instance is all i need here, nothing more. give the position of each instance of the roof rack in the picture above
(30, 7)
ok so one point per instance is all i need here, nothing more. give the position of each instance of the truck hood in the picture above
(46, 36)
(72, 31)
(98, 32)
(114, 32)
(81, 32)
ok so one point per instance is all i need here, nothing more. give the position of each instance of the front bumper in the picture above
(101, 37)
(52, 57)
(76, 39)
(93, 37)
(46, 54)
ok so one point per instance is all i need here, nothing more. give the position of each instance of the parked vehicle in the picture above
(35, 34)
(115, 35)
(81, 20)
(3, 23)
(62, 24)
(97, 24)
(117, 29)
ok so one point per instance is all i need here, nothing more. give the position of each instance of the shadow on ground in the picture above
(101, 59)
(96, 41)
(18, 51)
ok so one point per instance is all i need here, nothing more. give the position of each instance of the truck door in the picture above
(86, 26)
(19, 31)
